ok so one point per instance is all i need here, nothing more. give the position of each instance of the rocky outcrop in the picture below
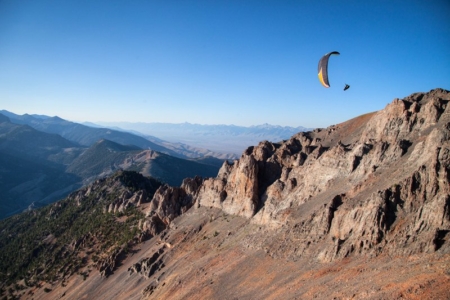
(115, 194)
(127, 199)
(168, 203)
(148, 266)
(108, 264)
(235, 190)
(379, 182)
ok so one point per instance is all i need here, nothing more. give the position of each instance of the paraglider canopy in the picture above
(323, 68)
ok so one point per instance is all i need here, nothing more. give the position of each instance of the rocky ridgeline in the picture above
(376, 183)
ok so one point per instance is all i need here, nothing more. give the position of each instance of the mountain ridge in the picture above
(358, 210)
(82, 134)
(88, 135)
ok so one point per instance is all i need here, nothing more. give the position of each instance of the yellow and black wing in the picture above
(323, 69)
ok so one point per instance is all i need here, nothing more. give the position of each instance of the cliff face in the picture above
(379, 182)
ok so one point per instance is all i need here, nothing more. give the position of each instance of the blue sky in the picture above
(218, 62)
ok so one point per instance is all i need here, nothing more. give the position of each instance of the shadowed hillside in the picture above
(105, 157)
(32, 167)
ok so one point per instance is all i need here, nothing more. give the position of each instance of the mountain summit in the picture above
(359, 210)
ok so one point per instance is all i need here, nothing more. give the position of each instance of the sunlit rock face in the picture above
(379, 181)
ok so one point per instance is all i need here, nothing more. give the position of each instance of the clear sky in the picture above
(218, 62)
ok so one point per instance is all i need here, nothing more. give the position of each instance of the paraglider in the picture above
(346, 87)
(323, 68)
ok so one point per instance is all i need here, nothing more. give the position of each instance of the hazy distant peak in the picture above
(4, 118)
(56, 118)
(270, 126)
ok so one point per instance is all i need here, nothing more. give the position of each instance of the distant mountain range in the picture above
(87, 136)
(221, 138)
(43, 159)
(184, 140)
